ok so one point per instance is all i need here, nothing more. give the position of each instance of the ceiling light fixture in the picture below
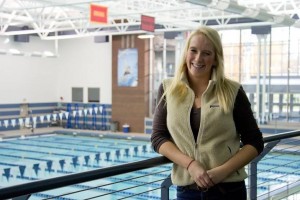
(6, 41)
(146, 36)
(36, 54)
(14, 51)
(2, 52)
(48, 54)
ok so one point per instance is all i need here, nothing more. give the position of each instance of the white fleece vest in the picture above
(217, 138)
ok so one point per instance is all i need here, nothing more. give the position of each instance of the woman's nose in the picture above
(198, 57)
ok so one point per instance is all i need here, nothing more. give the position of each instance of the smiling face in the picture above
(200, 57)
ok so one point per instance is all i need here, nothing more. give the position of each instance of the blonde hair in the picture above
(224, 87)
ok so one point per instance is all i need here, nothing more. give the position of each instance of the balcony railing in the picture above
(270, 174)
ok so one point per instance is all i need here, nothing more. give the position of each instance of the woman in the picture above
(199, 122)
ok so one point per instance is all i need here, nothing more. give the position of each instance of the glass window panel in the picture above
(275, 109)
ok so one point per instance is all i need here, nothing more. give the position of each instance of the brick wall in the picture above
(130, 105)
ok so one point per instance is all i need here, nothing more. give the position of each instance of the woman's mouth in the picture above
(198, 66)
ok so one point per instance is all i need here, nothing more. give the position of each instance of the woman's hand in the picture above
(217, 174)
(200, 175)
(239, 160)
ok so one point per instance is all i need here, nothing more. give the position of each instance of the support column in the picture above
(164, 67)
(280, 103)
(258, 87)
(261, 96)
(291, 103)
(271, 103)
(178, 50)
(151, 60)
(261, 79)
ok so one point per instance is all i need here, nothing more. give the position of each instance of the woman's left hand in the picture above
(217, 174)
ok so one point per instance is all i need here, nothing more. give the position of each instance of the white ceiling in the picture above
(62, 19)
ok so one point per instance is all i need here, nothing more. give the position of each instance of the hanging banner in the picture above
(85, 112)
(42, 119)
(48, 117)
(67, 115)
(147, 23)
(128, 67)
(34, 120)
(74, 113)
(95, 110)
(13, 122)
(54, 117)
(80, 113)
(27, 121)
(98, 14)
(60, 116)
(21, 122)
(6, 123)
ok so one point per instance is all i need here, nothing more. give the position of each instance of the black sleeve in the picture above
(245, 122)
(160, 132)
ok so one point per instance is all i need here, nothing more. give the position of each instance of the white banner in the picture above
(85, 112)
(96, 110)
(6, 123)
(60, 116)
(13, 122)
(54, 116)
(27, 121)
(48, 117)
(34, 120)
(21, 122)
(42, 118)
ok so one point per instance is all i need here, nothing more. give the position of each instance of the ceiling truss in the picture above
(52, 19)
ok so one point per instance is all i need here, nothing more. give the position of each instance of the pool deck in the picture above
(40, 131)
(288, 126)
(27, 131)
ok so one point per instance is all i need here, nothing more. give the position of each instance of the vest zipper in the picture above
(195, 151)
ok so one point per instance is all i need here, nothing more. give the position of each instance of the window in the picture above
(77, 94)
(94, 95)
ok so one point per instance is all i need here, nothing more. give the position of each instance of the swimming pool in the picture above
(53, 155)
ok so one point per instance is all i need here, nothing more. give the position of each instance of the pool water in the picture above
(29, 158)
(41, 157)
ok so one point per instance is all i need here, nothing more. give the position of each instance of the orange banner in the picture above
(98, 14)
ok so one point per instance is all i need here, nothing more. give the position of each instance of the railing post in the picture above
(253, 180)
(253, 169)
(165, 185)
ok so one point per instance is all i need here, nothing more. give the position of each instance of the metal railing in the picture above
(23, 191)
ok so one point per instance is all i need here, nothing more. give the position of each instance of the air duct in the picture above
(234, 7)
(22, 38)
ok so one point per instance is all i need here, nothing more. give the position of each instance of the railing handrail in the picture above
(71, 179)
(280, 136)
